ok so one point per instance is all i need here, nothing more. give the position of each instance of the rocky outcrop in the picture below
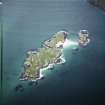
(98, 3)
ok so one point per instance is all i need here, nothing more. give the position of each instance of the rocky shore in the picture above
(38, 60)
(98, 3)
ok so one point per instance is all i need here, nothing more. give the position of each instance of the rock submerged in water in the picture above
(75, 49)
(19, 88)
(32, 83)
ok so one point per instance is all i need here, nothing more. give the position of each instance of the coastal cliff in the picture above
(98, 3)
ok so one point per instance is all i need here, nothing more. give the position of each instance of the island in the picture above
(83, 38)
(45, 57)
(49, 54)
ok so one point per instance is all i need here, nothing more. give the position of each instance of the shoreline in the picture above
(48, 67)
(59, 45)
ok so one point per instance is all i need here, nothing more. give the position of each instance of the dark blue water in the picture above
(81, 81)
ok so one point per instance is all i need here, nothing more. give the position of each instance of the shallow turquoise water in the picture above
(81, 79)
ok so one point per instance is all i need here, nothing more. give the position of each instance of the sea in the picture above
(26, 24)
